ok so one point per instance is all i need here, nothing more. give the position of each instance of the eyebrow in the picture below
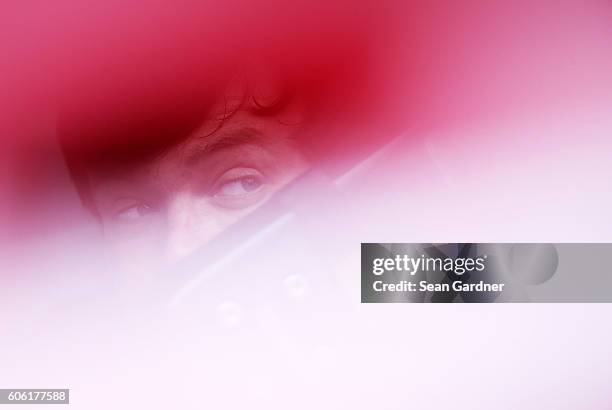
(225, 140)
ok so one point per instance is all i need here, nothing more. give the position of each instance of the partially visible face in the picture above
(168, 207)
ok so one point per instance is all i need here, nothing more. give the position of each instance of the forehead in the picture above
(242, 128)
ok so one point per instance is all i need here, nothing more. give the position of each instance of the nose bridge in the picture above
(185, 225)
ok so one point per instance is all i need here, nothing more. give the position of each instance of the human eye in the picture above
(134, 213)
(239, 187)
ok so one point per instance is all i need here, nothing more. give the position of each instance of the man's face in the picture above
(167, 207)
